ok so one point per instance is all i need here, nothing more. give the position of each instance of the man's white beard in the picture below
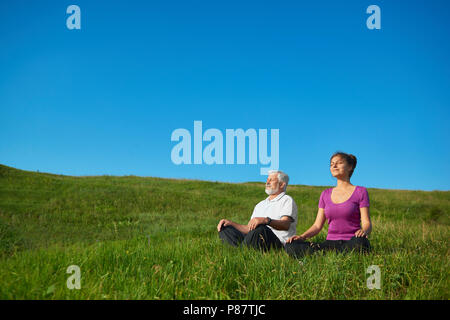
(270, 191)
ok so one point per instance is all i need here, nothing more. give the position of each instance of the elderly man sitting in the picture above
(273, 221)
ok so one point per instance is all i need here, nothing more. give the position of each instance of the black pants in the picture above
(299, 248)
(261, 238)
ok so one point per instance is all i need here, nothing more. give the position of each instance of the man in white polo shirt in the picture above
(274, 220)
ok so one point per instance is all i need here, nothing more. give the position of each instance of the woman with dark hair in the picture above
(346, 207)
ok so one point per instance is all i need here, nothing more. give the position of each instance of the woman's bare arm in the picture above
(314, 229)
(366, 224)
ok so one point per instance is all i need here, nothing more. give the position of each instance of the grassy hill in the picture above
(152, 238)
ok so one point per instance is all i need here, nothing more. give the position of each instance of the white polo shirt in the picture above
(281, 205)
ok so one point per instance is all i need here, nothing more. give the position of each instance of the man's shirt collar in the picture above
(278, 197)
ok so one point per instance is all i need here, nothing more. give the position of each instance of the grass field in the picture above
(152, 238)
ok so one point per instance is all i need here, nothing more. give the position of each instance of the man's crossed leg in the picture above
(261, 238)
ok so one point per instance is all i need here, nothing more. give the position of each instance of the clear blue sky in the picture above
(105, 99)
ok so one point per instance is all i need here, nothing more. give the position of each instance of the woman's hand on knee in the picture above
(360, 233)
(293, 238)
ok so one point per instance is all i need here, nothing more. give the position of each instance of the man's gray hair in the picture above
(282, 177)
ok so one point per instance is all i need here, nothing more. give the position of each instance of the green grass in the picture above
(151, 238)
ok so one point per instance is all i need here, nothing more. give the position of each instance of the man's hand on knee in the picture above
(255, 222)
(223, 223)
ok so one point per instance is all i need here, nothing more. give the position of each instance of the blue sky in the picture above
(105, 99)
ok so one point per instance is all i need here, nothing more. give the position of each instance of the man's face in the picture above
(272, 184)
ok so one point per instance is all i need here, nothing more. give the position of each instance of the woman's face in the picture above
(339, 168)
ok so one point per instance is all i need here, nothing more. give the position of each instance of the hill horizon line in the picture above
(188, 179)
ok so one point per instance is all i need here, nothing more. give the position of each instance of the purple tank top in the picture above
(344, 218)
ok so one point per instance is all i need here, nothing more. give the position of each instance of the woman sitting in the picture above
(346, 207)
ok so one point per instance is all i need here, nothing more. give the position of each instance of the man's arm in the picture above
(282, 224)
(241, 227)
(288, 215)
